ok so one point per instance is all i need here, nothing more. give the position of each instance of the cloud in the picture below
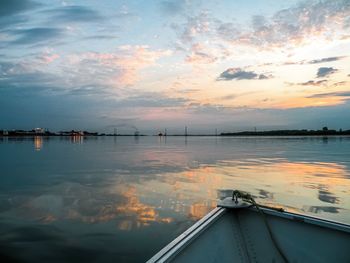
(48, 58)
(227, 31)
(239, 74)
(259, 21)
(13, 12)
(323, 60)
(209, 108)
(172, 7)
(100, 37)
(74, 13)
(124, 13)
(228, 97)
(194, 26)
(61, 111)
(9, 21)
(81, 73)
(37, 77)
(313, 83)
(89, 90)
(340, 83)
(13, 7)
(325, 71)
(331, 94)
(315, 61)
(201, 54)
(67, 99)
(20, 74)
(293, 26)
(118, 68)
(152, 99)
(35, 35)
(25, 89)
(185, 91)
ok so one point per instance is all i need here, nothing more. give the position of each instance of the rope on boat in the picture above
(249, 199)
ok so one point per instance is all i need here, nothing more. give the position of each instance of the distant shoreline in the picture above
(289, 133)
(175, 135)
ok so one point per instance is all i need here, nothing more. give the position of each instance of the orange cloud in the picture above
(303, 102)
(119, 68)
(315, 100)
(48, 58)
(201, 54)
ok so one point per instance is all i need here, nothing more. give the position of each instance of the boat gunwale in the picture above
(180, 242)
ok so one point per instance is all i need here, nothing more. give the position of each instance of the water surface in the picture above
(121, 199)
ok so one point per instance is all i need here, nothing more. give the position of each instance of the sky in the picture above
(151, 65)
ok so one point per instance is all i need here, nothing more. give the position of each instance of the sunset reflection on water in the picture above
(38, 143)
(305, 187)
(104, 193)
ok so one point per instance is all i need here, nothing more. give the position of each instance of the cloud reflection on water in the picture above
(289, 184)
(191, 193)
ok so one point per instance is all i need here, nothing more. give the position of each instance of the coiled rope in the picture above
(249, 199)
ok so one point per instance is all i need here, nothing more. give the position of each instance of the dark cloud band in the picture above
(239, 74)
(325, 71)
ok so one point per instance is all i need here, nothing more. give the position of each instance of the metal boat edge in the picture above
(179, 243)
(175, 246)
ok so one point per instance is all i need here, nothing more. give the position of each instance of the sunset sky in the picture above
(230, 65)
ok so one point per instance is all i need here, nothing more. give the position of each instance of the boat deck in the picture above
(242, 235)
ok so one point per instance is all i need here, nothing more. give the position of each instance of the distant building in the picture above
(76, 133)
(39, 131)
(72, 133)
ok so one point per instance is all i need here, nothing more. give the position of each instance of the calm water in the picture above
(122, 199)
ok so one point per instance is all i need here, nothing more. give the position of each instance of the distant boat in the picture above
(239, 230)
